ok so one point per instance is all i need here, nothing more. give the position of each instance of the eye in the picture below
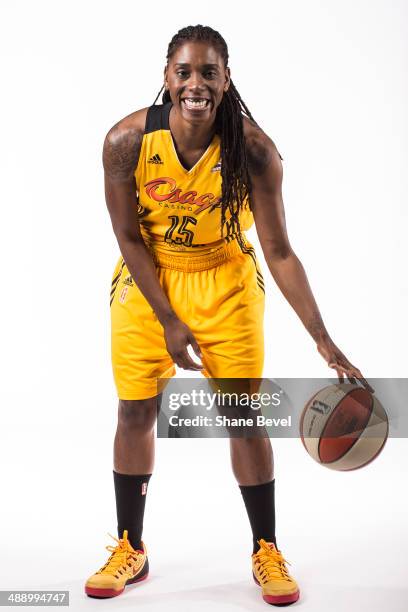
(211, 74)
(181, 72)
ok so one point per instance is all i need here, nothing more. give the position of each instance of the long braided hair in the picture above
(236, 181)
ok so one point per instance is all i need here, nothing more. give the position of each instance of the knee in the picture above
(256, 446)
(137, 415)
(255, 453)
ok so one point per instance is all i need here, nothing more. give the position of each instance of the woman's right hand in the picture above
(178, 336)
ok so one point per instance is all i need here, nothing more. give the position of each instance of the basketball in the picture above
(343, 427)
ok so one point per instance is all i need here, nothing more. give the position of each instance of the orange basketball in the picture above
(343, 427)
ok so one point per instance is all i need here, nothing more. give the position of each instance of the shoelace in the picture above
(271, 563)
(118, 562)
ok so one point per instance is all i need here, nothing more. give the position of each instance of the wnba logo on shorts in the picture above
(144, 488)
(123, 294)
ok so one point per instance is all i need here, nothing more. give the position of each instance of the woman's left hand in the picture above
(339, 362)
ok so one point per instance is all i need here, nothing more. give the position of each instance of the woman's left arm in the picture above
(266, 173)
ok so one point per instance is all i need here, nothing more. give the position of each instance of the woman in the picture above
(184, 180)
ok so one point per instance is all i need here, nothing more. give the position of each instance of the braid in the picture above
(236, 180)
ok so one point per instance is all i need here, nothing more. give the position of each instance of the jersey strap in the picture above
(157, 117)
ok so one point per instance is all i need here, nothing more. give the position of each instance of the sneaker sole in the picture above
(279, 599)
(105, 593)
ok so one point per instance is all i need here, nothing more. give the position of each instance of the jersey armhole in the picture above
(141, 152)
(157, 118)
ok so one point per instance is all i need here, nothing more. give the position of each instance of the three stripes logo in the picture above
(115, 281)
(217, 167)
(251, 252)
(155, 159)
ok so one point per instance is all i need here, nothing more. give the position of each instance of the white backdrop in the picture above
(327, 81)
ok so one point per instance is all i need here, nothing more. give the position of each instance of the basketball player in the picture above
(184, 180)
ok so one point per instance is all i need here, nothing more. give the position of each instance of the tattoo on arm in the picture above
(121, 152)
(316, 326)
(259, 155)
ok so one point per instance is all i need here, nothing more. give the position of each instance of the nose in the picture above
(195, 82)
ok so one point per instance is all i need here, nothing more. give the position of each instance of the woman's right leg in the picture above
(133, 451)
(133, 466)
(134, 447)
(139, 360)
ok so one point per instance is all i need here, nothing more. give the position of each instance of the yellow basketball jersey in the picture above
(180, 209)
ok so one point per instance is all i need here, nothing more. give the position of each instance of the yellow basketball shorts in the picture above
(220, 296)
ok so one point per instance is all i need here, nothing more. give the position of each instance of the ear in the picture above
(227, 79)
(165, 77)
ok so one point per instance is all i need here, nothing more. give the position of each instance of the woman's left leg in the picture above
(226, 318)
(252, 465)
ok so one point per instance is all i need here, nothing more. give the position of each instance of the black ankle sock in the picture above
(260, 505)
(130, 492)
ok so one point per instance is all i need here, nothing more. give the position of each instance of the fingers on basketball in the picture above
(333, 363)
(356, 372)
(352, 373)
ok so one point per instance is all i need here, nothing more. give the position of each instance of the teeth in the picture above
(195, 103)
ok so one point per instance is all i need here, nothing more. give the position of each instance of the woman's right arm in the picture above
(120, 156)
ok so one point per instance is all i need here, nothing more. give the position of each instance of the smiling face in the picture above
(196, 79)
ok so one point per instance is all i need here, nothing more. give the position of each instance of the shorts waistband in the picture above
(185, 263)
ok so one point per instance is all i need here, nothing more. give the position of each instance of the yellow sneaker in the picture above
(269, 571)
(125, 566)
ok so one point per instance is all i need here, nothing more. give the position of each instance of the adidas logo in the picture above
(217, 167)
(155, 159)
(128, 281)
